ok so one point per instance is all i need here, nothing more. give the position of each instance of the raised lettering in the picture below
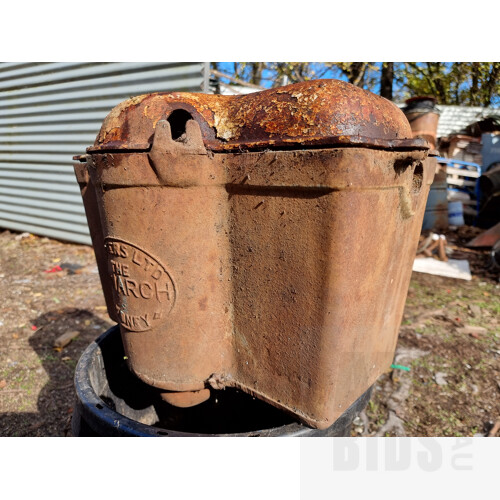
(160, 291)
(121, 269)
(121, 287)
(123, 251)
(110, 247)
(131, 321)
(126, 319)
(149, 264)
(157, 274)
(142, 286)
(146, 290)
(135, 258)
(131, 287)
(124, 270)
(145, 319)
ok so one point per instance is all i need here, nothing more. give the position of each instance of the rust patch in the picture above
(186, 399)
(313, 247)
(312, 113)
(486, 239)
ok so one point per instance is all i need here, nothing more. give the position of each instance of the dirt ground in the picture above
(452, 387)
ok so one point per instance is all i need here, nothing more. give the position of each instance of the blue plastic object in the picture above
(465, 166)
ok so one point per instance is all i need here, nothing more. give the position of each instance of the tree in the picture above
(464, 83)
(387, 80)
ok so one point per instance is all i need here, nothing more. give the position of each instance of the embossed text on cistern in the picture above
(144, 291)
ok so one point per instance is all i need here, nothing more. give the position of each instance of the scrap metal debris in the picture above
(434, 245)
(486, 239)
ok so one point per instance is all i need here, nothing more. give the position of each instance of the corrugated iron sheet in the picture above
(50, 112)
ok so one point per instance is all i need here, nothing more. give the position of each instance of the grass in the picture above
(49, 357)
(375, 412)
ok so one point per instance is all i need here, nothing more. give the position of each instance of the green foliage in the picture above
(466, 83)
(463, 83)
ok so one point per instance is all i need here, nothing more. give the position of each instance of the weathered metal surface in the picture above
(486, 239)
(186, 399)
(423, 118)
(320, 112)
(110, 401)
(282, 273)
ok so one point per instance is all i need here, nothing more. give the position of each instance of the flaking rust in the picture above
(264, 242)
(320, 112)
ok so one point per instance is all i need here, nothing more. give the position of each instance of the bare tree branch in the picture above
(235, 80)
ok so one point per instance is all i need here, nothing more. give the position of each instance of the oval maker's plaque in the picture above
(144, 292)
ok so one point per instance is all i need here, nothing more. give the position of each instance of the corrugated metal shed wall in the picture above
(50, 112)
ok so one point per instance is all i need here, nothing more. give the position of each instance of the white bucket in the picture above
(456, 213)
